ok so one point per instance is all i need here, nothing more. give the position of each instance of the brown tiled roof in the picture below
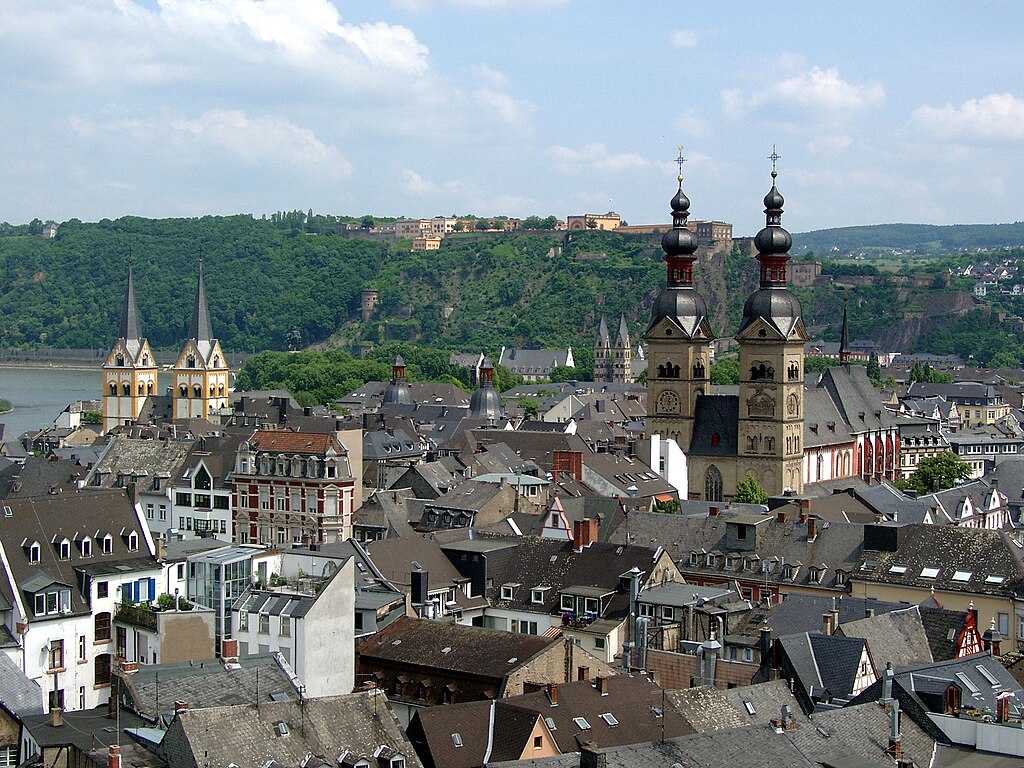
(453, 647)
(287, 441)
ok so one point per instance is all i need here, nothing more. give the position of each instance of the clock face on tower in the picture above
(668, 402)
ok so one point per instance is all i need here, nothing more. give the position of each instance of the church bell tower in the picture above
(129, 371)
(200, 373)
(679, 335)
(771, 339)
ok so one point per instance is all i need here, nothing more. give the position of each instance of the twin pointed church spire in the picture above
(129, 330)
(199, 330)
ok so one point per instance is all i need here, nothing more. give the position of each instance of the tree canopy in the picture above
(749, 491)
(936, 473)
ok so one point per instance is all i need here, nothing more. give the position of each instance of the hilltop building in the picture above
(726, 436)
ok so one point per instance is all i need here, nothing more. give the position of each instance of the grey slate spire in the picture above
(623, 338)
(129, 316)
(602, 332)
(199, 330)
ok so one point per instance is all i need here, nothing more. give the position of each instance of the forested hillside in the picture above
(919, 238)
(273, 285)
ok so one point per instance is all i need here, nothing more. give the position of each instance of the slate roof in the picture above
(860, 731)
(383, 445)
(889, 501)
(395, 557)
(155, 687)
(537, 446)
(950, 501)
(143, 458)
(801, 612)
(750, 747)
(942, 628)
(856, 398)
(828, 662)
(823, 424)
(898, 636)
(715, 426)
(18, 693)
(338, 730)
(990, 561)
(935, 678)
(38, 476)
(484, 652)
(49, 519)
(554, 564)
(715, 709)
(533, 361)
(837, 546)
(623, 473)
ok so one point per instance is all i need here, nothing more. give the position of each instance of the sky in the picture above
(881, 112)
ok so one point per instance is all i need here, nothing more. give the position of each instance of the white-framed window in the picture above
(668, 613)
(646, 609)
(590, 605)
(566, 603)
(107, 544)
(507, 591)
(133, 541)
(34, 552)
(537, 596)
(65, 550)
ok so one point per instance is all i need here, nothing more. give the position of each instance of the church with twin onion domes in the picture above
(726, 436)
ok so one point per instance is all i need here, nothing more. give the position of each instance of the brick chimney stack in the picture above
(56, 716)
(584, 532)
(114, 756)
(553, 694)
(714, 510)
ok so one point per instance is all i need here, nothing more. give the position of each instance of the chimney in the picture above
(591, 756)
(584, 532)
(583, 673)
(553, 694)
(113, 756)
(765, 642)
(161, 549)
(1003, 707)
(887, 677)
(781, 516)
(56, 716)
(812, 527)
(805, 509)
(714, 510)
(708, 659)
(869, 613)
(826, 623)
(601, 683)
(129, 667)
(229, 650)
(180, 706)
(895, 749)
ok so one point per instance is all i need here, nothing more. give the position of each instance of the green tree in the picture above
(874, 368)
(936, 473)
(367, 222)
(563, 373)
(749, 491)
(529, 405)
(726, 370)
(670, 507)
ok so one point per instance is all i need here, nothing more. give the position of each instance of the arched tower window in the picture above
(183, 390)
(712, 484)
(197, 390)
(190, 361)
(120, 361)
(113, 389)
(142, 388)
(698, 369)
(149, 387)
(126, 389)
(793, 405)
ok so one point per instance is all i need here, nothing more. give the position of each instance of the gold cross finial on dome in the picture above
(680, 160)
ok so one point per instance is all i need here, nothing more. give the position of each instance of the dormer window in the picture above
(64, 549)
(694, 558)
(86, 547)
(133, 542)
(107, 544)
(34, 552)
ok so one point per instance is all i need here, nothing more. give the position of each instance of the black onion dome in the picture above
(678, 241)
(486, 403)
(680, 203)
(399, 393)
(774, 200)
(778, 306)
(683, 305)
(773, 239)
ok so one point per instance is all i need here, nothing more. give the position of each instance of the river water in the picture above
(40, 394)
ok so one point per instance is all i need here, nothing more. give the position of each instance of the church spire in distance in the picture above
(844, 343)
(129, 315)
(200, 330)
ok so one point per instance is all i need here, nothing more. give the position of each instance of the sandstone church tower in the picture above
(771, 337)
(129, 371)
(200, 373)
(679, 335)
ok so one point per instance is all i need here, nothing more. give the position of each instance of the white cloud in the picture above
(257, 141)
(996, 117)
(684, 38)
(817, 89)
(594, 157)
(506, 109)
(829, 145)
(415, 184)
